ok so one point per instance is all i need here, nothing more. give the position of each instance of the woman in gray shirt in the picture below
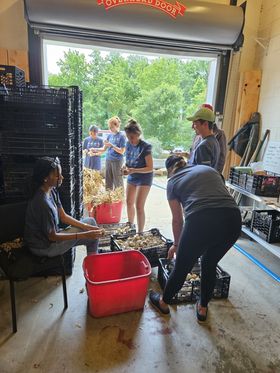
(206, 223)
(45, 212)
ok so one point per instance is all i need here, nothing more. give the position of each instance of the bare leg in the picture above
(130, 202)
(141, 196)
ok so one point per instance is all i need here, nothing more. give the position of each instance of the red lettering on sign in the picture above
(173, 10)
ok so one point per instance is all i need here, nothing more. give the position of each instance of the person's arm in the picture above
(181, 154)
(177, 225)
(93, 152)
(99, 150)
(221, 137)
(48, 226)
(64, 236)
(144, 170)
(68, 220)
(116, 148)
(203, 155)
(89, 231)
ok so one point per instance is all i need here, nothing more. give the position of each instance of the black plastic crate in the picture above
(260, 185)
(46, 122)
(115, 229)
(11, 76)
(266, 224)
(191, 289)
(32, 146)
(221, 289)
(34, 96)
(238, 178)
(152, 253)
(242, 180)
(234, 176)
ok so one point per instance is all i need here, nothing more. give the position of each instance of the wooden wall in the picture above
(17, 58)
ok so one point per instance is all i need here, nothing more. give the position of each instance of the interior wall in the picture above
(242, 61)
(267, 58)
(13, 28)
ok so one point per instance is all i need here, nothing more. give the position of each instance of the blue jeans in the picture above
(59, 248)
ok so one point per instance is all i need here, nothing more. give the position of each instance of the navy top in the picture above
(197, 188)
(41, 219)
(118, 140)
(92, 162)
(135, 158)
(207, 153)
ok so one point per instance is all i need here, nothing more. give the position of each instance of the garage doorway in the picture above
(159, 89)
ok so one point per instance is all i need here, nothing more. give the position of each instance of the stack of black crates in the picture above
(36, 122)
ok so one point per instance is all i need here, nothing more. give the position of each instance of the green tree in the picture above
(161, 93)
(157, 146)
(158, 111)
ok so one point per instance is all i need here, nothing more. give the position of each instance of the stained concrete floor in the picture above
(242, 334)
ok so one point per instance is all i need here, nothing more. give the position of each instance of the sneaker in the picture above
(155, 301)
(200, 318)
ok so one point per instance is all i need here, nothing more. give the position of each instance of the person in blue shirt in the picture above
(139, 168)
(115, 145)
(44, 214)
(93, 148)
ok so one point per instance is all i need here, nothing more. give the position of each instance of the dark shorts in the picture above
(140, 179)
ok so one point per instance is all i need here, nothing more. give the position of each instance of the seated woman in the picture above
(44, 213)
(139, 168)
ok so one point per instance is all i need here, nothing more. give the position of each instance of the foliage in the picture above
(158, 111)
(157, 146)
(160, 93)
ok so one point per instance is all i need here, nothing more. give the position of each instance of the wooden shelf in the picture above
(273, 248)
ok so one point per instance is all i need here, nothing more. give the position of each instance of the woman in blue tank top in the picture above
(139, 168)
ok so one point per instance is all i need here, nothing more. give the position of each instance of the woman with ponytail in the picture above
(206, 222)
(45, 212)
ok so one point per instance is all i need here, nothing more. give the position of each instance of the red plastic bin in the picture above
(107, 213)
(116, 282)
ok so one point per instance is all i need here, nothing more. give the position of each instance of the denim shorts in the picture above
(140, 179)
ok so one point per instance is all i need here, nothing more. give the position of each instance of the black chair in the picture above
(20, 264)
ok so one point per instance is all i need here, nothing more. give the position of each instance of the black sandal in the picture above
(200, 317)
(154, 299)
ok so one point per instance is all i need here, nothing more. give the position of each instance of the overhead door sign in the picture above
(173, 10)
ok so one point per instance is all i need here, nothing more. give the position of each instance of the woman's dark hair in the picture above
(43, 167)
(133, 127)
(174, 163)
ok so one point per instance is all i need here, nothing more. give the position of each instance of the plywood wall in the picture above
(267, 59)
(17, 58)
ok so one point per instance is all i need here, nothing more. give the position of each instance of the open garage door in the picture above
(186, 28)
(193, 25)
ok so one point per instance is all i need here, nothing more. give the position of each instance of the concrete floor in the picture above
(242, 334)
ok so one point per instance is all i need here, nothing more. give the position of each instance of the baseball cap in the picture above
(203, 113)
(208, 106)
(172, 159)
(93, 128)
